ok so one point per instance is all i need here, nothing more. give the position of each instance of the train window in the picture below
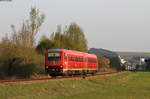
(75, 59)
(69, 58)
(78, 59)
(72, 58)
(65, 57)
(90, 60)
(53, 59)
(54, 54)
(81, 59)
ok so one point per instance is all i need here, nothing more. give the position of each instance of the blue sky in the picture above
(118, 25)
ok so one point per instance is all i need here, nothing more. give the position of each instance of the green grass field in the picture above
(124, 86)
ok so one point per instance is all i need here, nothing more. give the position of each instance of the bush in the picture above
(43, 45)
(19, 61)
(115, 63)
(17, 54)
(104, 63)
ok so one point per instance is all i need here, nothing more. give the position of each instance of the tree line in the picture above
(20, 57)
(71, 38)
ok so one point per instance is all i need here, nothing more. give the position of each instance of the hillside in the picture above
(103, 52)
(131, 57)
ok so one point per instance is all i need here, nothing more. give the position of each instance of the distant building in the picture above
(141, 65)
(125, 65)
(147, 62)
(122, 60)
(142, 60)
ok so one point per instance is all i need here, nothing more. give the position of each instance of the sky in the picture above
(117, 25)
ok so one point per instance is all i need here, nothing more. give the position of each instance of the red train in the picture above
(68, 62)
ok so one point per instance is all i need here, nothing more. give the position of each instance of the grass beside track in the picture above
(124, 86)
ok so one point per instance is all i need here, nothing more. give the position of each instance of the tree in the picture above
(115, 63)
(18, 61)
(58, 38)
(76, 38)
(44, 44)
(72, 38)
(26, 35)
(17, 53)
(104, 63)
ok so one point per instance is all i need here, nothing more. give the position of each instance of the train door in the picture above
(85, 61)
(65, 62)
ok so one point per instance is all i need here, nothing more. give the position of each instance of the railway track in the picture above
(56, 78)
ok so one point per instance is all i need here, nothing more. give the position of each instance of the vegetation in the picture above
(44, 44)
(17, 54)
(104, 64)
(76, 38)
(147, 64)
(26, 35)
(19, 57)
(123, 86)
(72, 38)
(107, 59)
(115, 63)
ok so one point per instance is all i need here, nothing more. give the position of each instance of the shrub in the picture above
(19, 61)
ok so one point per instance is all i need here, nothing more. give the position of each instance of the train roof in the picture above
(71, 51)
(55, 50)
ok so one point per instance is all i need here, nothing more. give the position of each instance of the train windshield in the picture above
(54, 57)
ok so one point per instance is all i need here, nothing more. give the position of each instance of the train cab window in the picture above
(54, 57)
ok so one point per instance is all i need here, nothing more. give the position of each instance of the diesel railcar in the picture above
(68, 62)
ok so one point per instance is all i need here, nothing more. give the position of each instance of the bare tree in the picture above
(26, 35)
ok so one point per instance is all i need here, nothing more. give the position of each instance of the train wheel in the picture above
(93, 73)
(53, 75)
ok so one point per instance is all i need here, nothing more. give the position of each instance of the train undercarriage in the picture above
(57, 71)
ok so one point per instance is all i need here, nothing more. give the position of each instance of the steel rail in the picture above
(57, 78)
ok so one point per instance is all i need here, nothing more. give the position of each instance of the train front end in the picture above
(53, 62)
